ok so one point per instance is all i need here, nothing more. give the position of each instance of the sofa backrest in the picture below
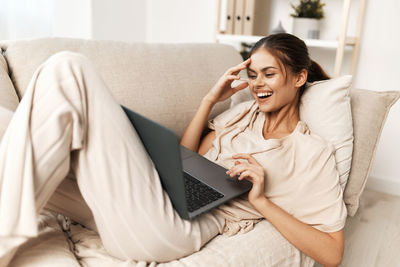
(164, 82)
(8, 96)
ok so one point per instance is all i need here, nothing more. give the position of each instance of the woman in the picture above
(68, 122)
(278, 69)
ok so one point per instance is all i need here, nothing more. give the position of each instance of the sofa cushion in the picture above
(50, 248)
(8, 97)
(164, 82)
(325, 107)
(266, 245)
(370, 110)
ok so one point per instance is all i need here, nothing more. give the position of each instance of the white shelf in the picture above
(330, 44)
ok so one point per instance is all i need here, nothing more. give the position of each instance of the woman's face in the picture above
(272, 86)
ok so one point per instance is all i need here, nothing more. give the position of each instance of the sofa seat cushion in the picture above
(50, 248)
(264, 243)
(61, 242)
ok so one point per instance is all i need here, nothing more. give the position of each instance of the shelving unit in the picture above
(309, 42)
(343, 43)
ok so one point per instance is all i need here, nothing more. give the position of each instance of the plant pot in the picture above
(306, 28)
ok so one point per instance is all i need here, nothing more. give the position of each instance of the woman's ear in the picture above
(301, 78)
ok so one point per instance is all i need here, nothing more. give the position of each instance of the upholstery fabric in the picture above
(369, 109)
(325, 107)
(8, 97)
(222, 251)
(52, 240)
(164, 82)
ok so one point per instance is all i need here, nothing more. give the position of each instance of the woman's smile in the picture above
(264, 96)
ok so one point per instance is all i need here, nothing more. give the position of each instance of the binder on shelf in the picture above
(227, 16)
(256, 17)
(239, 13)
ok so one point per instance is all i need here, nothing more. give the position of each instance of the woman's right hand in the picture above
(222, 90)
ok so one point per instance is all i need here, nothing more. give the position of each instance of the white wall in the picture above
(119, 20)
(71, 18)
(180, 21)
(25, 18)
(122, 20)
(378, 69)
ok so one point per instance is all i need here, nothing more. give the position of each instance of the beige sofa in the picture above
(165, 82)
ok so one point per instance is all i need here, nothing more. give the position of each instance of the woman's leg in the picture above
(68, 200)
(68, 108)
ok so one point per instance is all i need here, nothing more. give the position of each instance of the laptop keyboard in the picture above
(199, 194)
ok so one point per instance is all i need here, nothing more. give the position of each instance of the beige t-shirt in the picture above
(300, 171)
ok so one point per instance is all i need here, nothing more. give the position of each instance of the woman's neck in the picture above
(281, 122)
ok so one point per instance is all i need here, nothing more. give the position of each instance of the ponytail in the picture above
(316, 73)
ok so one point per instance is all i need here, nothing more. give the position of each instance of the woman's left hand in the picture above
(252, 171)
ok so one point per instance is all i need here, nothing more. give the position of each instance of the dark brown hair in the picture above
(293, 54)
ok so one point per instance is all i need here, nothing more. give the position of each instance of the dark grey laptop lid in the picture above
(163, 147)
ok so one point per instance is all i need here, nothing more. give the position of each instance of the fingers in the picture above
(237, 169)
(240, 87)
(245, 174)
(247, 157)
(232, 77)
(236, 69)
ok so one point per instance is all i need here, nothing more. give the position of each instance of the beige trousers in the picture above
(68, 122)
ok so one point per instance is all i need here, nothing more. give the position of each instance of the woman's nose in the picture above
(258, 81)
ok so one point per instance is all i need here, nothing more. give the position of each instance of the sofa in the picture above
(165, 82)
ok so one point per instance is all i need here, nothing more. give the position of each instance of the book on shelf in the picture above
(244, 17)
(256, 17)
(239, 14)
(227, 12)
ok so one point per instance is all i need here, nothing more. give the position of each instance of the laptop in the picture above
(193, 183)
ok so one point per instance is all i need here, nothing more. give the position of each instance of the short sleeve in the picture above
(232, 116)
(322, 205)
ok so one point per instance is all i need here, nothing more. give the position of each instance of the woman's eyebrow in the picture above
(263, 69)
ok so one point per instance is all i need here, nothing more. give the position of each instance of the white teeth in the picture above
(264, 94)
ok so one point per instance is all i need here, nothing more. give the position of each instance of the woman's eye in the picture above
(252, 77)
(269, 74)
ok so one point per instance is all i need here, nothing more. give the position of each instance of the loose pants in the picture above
(69, 123)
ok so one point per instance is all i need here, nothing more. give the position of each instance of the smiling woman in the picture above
(295, 181)
(279, 69)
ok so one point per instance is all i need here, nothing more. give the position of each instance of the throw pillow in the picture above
(370, 110)
(325, 107)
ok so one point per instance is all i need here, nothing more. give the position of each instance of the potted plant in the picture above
(307, 15)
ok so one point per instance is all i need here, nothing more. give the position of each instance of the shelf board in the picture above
(330, 44)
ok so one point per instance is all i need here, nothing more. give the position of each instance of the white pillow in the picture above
(325, 107)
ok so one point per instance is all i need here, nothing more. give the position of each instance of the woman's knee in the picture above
(69, 57)
(64, 65)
